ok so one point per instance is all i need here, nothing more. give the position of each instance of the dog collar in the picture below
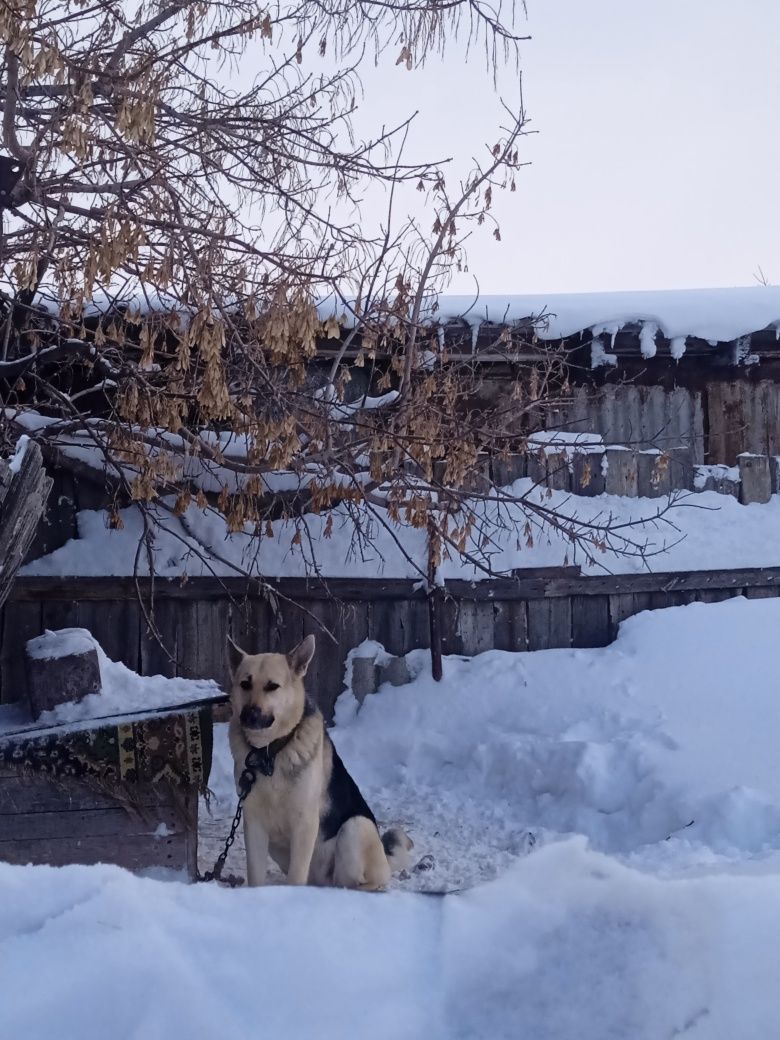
(263, 759)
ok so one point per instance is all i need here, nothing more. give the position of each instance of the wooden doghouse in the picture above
(113, 788)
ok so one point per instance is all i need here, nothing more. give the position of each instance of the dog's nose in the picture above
(253, 718)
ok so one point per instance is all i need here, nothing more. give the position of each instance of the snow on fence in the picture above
(540, 609)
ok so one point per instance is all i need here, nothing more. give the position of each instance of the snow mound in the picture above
(568, 945)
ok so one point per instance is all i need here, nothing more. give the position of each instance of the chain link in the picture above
(245, 784)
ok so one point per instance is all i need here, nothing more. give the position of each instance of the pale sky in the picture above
(656, 162)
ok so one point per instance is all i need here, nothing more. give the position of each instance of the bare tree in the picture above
(181, 187)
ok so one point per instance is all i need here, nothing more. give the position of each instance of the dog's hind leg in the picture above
(256, 842)
(360, 860)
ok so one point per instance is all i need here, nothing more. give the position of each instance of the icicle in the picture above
(611, 328)
(647, 336)
(677, 347)
(599, 356)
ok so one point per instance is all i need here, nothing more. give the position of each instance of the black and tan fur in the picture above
(309, 814)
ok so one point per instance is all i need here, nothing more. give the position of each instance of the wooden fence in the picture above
(539, 610)
(716, 422)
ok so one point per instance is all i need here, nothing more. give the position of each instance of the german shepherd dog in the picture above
(304, 807)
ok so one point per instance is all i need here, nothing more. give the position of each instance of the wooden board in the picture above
(590, 621)
(549, 623)
(21, 621)
(510, 625)
(72, 822)
(553, 582)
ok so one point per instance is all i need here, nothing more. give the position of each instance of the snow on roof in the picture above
(716, 315)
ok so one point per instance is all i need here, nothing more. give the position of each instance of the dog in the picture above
(304, 808)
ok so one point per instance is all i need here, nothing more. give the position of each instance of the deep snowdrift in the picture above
(568, 945)
(636, 927)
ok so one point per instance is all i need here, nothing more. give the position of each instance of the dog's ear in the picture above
(300, 658)
(235, 655)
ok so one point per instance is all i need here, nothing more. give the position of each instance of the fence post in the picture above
(622, 476)
(755, 477)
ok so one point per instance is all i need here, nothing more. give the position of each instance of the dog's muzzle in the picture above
(253, 718)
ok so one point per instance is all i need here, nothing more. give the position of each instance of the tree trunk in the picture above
(24, 489)
(435, 600)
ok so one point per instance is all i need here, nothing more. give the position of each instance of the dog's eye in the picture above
(271, 686)
(246, 684)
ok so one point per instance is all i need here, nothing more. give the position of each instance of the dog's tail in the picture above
(397, 846)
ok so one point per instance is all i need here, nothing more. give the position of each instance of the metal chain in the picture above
(245, 784)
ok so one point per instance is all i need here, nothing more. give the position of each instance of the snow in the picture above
(15, 462)
(677, 347)
(599, 356)
(717, 472)
(566, 946)
(84, 446)
(122, 690)
(620, 922)
(566, 438)
(66, 642)
(565, 442)
(647, 334)
(714, 315)
(623, 744)
(706, 531)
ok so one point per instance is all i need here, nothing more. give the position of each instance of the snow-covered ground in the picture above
(647, 904)
(702, 531)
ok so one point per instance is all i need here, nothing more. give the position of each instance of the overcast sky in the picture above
(656, 162)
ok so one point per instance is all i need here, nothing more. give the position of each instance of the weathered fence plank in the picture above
(590, 622)
(621, 477)
(510, 621)
(24, 491)
(21, 621)
(553, 583)
(549, 623)
(588, 473)
(474, 629)
(755, 476)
